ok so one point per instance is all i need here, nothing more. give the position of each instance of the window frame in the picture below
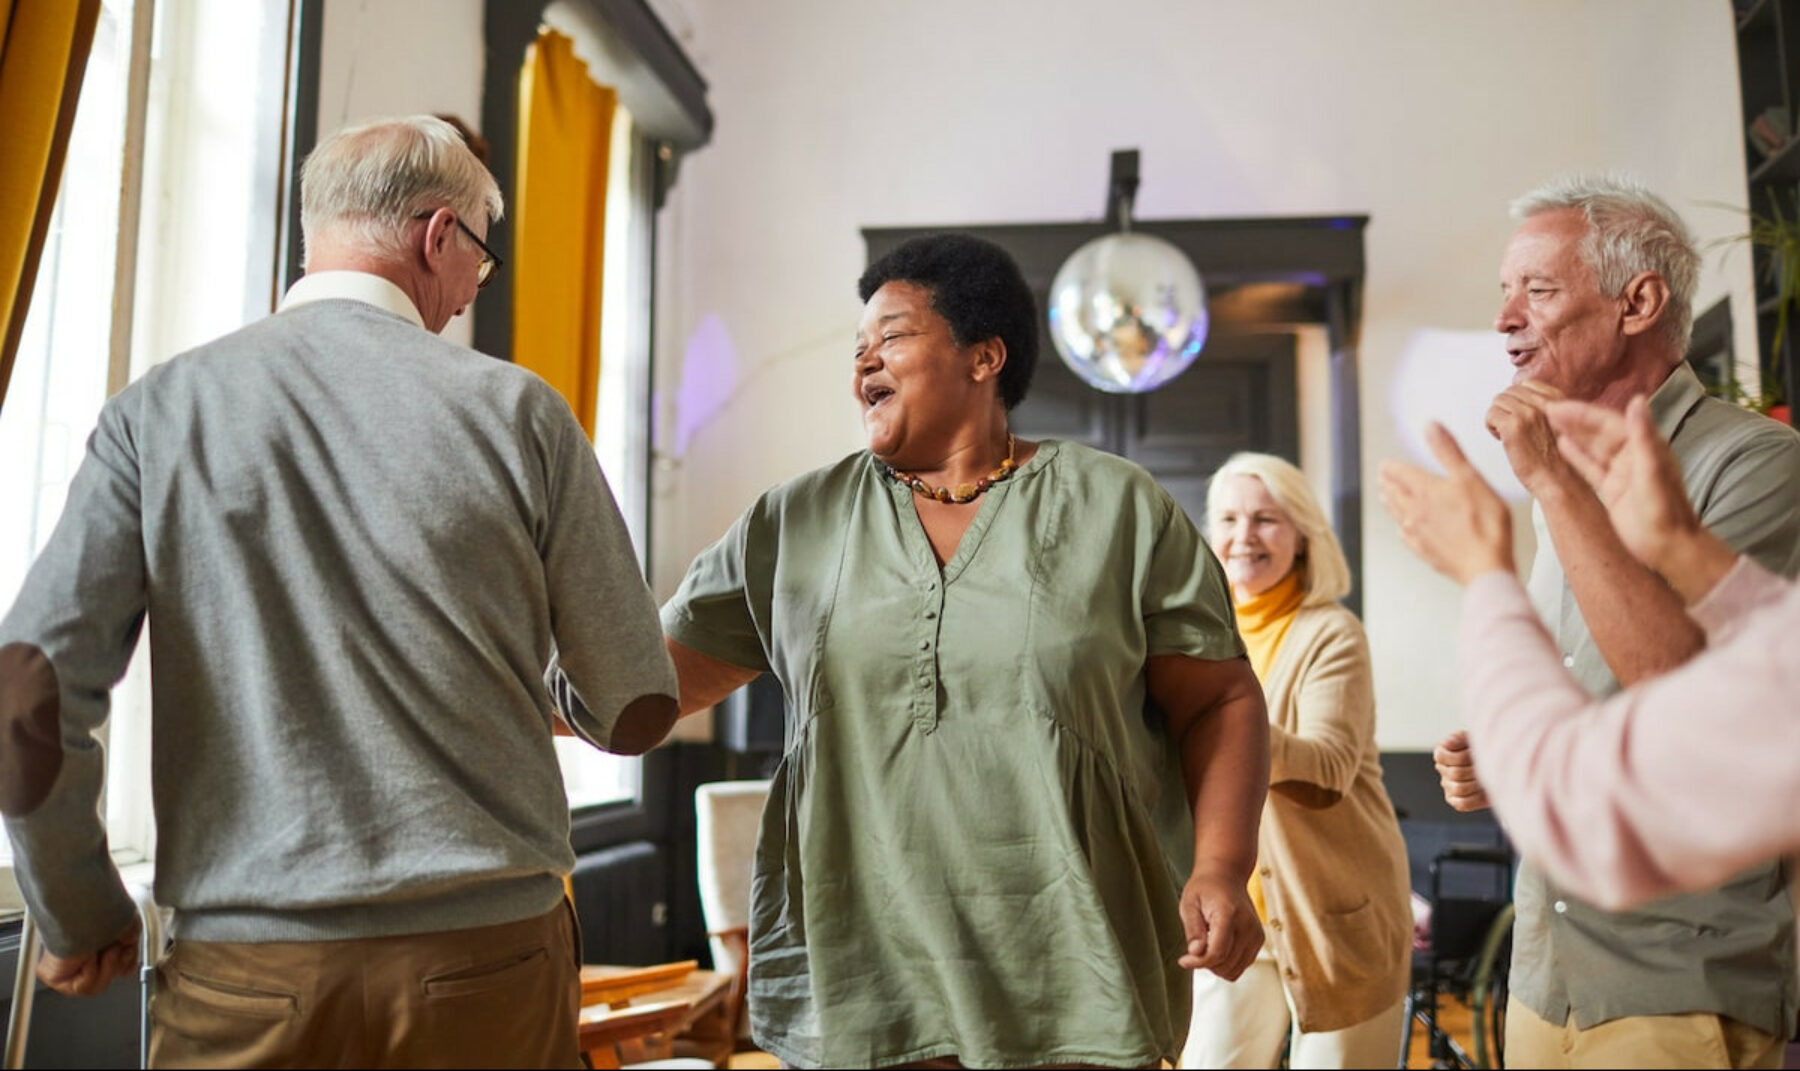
(666, 97)
(156, 48)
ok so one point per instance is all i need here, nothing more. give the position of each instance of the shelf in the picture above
(1768, 52)
(1784, 166)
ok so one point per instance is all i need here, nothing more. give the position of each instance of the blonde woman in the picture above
(1331, 881)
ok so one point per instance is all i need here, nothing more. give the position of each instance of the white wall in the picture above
(1426, 115)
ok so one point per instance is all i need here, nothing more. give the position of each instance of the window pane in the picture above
(594, 777)
(59, 375)
(622, 426)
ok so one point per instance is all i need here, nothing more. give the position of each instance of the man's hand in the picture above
(1632, 470)
(1456, 522)
(1223, 931)
(1456, 773)
(89, 975)
(1517, 418)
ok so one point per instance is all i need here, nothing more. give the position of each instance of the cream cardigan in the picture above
(1331, 859)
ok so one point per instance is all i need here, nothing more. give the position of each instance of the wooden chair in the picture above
(728, 815)
(632, 1016)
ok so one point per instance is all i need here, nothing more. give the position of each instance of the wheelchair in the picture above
(1467, 956)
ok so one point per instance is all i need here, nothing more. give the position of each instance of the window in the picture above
(106, 309)
(51, 406)
(660, 101)
(622, 430)
(101, 315)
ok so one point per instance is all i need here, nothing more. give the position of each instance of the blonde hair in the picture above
(1326, 572)
(366, 182)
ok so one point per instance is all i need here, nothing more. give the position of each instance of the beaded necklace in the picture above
(965, 492)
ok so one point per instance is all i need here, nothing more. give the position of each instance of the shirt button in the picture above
(924, 645)
(1266, 872)
(1275, 924)
(1561, 907)
(1289, 971)
(1568, 661)
(929, 614)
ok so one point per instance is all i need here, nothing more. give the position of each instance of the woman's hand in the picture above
(1632, 470)
(1455, 522)
(1223, 931)
(1220, 725)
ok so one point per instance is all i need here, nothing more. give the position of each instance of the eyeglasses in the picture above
(490, 260)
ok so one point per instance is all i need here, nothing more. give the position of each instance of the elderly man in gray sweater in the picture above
(376, 568)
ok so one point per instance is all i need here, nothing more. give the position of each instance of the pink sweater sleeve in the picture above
(1734, 600)
(1672, 785)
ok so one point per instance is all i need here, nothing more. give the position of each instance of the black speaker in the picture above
(753, 719)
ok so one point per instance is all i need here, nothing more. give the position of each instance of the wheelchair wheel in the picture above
(1487, 992)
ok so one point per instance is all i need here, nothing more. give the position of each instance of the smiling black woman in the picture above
(978, 848)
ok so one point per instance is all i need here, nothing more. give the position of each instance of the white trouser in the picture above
(1243, 1024)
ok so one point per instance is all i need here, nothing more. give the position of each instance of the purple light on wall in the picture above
(709, 377)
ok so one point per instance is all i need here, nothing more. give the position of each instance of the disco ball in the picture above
(1127, 312)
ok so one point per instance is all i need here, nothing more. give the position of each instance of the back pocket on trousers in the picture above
(486, 977)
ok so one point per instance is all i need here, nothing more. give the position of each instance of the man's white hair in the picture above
(1630, 231)
(365, 184)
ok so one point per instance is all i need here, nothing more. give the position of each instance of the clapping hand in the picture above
(1632, 470)
(1455, 522)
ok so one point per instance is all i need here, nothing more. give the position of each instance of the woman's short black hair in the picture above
(977, 288)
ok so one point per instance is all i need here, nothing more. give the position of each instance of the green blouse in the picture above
(976, 840)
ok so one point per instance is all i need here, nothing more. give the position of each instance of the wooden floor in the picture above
(1453, 1015)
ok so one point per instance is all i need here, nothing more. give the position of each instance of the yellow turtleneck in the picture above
(1263, 621)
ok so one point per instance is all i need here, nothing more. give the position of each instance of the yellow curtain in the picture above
(43, 52)
(559, 231)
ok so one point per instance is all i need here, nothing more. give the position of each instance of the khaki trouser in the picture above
(1695, 1039)
(951, 1063)
(1249, 1023)
(495, 996)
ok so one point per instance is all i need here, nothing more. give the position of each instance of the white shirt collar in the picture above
(353, 286)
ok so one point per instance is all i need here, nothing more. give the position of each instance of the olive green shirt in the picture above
(976, 839)
(1729, 951)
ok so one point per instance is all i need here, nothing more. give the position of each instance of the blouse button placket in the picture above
(925, 707)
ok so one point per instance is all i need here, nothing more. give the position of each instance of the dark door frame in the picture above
(1292, 270)
(680, 122)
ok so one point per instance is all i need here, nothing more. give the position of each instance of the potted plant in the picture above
(1775, 240)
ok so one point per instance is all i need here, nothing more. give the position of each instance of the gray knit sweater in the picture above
(361, 549)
